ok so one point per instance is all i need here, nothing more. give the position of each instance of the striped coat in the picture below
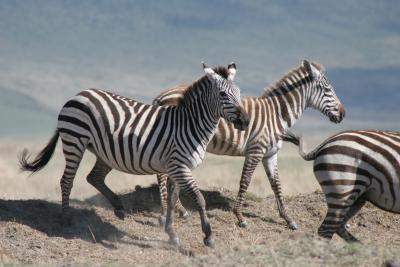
(354, 167)
(270, 116)
(144, 139)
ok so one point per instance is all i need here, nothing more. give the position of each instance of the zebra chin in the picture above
(241, 123)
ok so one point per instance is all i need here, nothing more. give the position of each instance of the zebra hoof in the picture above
(209, 242)
(175, 242)
(243, 224)
(184, 215)
(293, 226)
(162, 220)
(120, 214)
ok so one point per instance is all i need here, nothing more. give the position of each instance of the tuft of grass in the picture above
(302, 251)
(253, 197)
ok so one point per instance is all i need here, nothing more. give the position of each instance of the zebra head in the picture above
(229, 104)
(322, 96)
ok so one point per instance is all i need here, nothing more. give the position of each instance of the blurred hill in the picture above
(21, 115)
(371, 98)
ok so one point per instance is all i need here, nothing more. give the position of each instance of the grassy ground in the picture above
(217, 171)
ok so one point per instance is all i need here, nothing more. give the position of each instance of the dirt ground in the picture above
(31, 233)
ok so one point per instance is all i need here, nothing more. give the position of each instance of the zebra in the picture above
(271, 115)
(353, 167)
(137, 138)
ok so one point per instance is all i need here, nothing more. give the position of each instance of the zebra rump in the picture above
(353, 167)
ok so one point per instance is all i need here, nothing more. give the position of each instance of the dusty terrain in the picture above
(31, 231)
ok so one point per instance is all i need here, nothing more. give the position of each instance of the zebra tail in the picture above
(41, 159)
(298, 141)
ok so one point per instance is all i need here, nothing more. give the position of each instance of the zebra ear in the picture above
(211, 74)
(313, 71)
(231, 71)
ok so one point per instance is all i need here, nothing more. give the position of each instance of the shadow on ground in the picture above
(45, 216)
(147, 199)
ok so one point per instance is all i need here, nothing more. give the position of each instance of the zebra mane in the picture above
(192, 90)
(298, 72)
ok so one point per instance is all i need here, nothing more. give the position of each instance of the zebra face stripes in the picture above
(229, 97)
(323, 96)
(354, 167)
(142, 139)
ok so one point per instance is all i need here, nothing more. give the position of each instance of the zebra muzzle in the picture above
(337, 118)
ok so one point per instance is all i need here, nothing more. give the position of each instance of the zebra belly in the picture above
(129, 167)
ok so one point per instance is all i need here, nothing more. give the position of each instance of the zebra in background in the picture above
(354, 167)
(144, 139)
(270, 116)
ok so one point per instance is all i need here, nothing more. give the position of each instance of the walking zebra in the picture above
(270, 116)
(144, 139)
(354, 167)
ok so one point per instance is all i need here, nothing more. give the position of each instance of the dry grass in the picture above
(217, 171)
(296, 252)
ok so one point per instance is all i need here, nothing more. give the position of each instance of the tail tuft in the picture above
(41, 159)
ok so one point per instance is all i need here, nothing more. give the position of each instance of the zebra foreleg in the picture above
(271, 169)
(193, 190)
(96, 178)
(182, 177)
(162, 185)
(249, 166)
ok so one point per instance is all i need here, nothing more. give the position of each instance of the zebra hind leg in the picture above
(162, 185)
(342, 231)
(73, 149)
(249, 166)
(173, 194)
(335, 219)
(271, 169)
(96, 178)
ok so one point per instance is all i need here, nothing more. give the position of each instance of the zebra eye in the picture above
(222, 94)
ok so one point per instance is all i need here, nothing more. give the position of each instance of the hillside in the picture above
(23, 116)
(370, 97)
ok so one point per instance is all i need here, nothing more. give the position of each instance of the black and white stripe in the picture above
(354, 167)
(144, 139)
(270, 116)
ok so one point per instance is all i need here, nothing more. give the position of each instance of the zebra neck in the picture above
(201, 117)
(288, 106)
